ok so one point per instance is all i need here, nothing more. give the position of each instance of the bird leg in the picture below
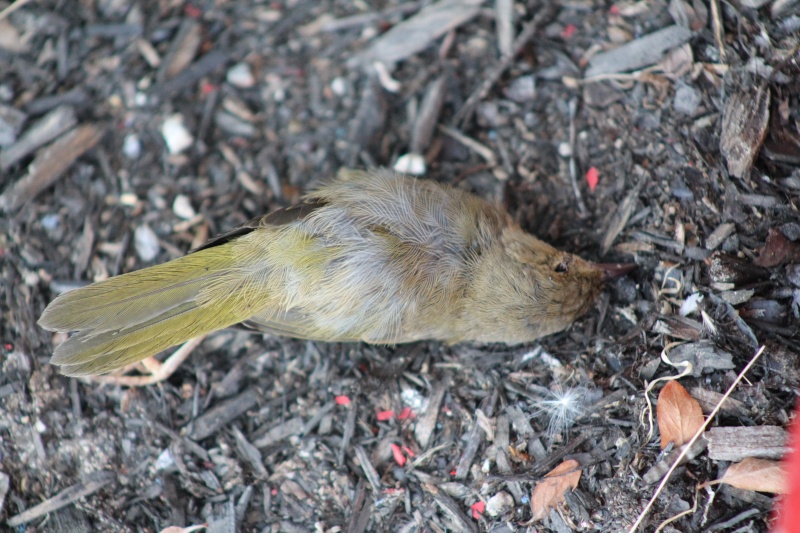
(157, 371)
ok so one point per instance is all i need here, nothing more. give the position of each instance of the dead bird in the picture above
(370, 256)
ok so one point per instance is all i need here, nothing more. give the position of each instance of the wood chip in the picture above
(744, 125)
(736, 443)
(428, 115)
(640, 53)
(704, 357)
(623, 213)
(44, 130)
(722, 232)
(709, 399)
(504, 20)
(423, 430)
(50, 164)
(92, 484)
(182, 51)
(279, 432)
(473, 442)
(416, 33)
(220, 415)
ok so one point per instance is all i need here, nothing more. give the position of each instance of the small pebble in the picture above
(521, 90)
(499, 504)
(399, 474)
(165, 460)
(146, 243)
(240, 75)
(140, 99)
(687, 100)
(132, 146)
(339, 86)
(51, 222)
(791, 230)
(793, 273)
(128, 199)
(175, 134)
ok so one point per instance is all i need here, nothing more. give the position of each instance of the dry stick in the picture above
(573, 165)
(689, 444)
(716, 21)
(483, 89)
(13, 7)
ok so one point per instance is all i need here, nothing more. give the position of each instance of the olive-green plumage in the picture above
(370, 256)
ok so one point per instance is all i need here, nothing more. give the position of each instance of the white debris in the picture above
(175, 134)
(689, 306)
(146, 243)
(182, 207)
(240, 75)
(412, 163)
(132, 146)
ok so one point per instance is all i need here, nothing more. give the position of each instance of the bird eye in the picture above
(563, 266)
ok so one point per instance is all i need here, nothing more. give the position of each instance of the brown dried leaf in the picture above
(761, 475)
(777, 250)
(549, 492)
(679, 415)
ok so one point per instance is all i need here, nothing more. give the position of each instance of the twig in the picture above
(678, 516)
(13, 7)
(716, 22)
(573, 165)
(688, 445)
(90, 485)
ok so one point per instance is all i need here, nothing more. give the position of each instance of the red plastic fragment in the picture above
(592, 178)
(477, 509)
(399, 458)
(342, 400)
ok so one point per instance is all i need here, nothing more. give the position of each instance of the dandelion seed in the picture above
(562, 407)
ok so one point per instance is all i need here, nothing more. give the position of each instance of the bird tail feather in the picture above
(127, 318)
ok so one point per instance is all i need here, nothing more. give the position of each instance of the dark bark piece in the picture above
(215, 418)
(726, 268)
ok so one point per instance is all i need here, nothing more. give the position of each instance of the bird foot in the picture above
(155, 370)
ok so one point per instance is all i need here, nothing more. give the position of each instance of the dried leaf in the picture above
(679, 415)
(549, 492)
(761, 475)
(777, 250)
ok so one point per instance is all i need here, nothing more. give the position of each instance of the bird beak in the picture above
(614, 270)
